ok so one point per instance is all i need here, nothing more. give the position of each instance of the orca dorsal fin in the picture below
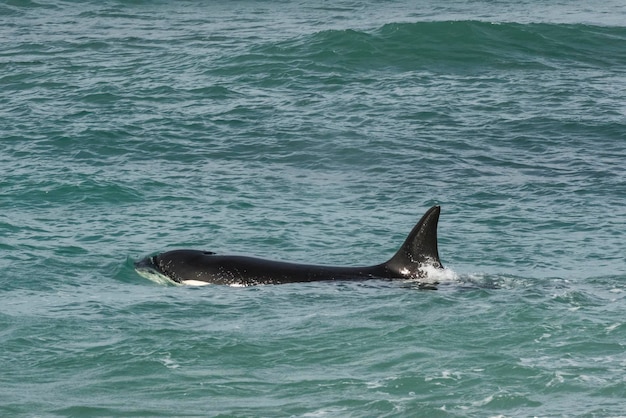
(420, 247)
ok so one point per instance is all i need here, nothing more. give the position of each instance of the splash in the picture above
(156, 277)
(431, 274)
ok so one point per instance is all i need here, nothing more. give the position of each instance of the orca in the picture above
(415, 258)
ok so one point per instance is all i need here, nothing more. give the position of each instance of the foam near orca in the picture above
(416, 259)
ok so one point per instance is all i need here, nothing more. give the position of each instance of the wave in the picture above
(451, 44)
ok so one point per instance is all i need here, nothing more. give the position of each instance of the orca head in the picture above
(419, 252)
(149, 268)
(178, 266)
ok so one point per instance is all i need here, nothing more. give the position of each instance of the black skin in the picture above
(419, 250)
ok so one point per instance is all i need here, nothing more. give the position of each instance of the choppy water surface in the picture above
(314, 132)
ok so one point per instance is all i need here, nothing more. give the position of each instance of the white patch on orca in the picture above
(195, 283)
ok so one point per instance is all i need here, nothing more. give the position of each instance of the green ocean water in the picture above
(315, 132)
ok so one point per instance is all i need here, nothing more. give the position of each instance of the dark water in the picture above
(316, 132)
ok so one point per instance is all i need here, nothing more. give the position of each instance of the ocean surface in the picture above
(315, 132)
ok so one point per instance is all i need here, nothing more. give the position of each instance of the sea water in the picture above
(315, 132)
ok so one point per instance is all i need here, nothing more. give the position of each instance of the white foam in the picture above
(168, 362)
(156, 277)
(238, 285)
(434, 275)
(484, 401)
(612, 327)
